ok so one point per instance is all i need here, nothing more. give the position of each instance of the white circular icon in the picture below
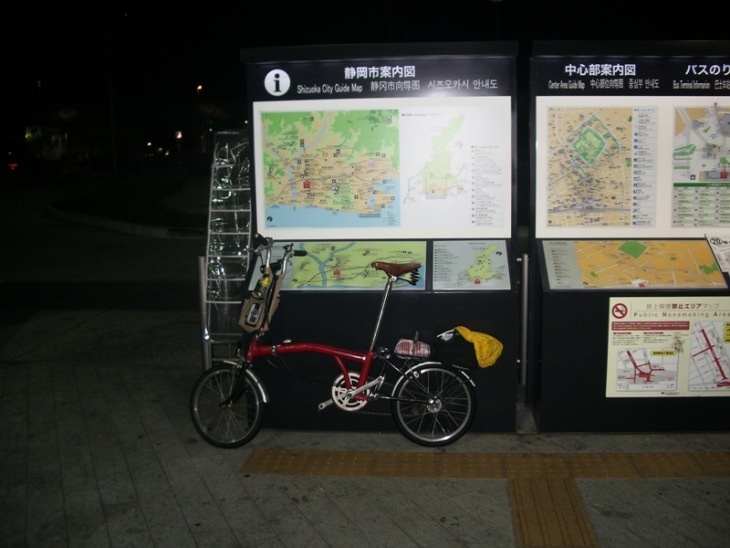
(277, 82)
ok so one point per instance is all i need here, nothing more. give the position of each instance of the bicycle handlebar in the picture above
(263, 245)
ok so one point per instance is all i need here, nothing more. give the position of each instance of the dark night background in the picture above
(113, 81)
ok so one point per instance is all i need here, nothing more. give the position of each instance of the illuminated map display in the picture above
(632, 166)
(416, 168)
(591, 167)
(631, 264)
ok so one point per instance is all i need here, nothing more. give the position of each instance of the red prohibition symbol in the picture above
(619, 311)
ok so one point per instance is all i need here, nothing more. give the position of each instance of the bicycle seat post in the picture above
(383, 303)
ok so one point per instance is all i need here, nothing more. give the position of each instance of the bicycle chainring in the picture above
(339, 393)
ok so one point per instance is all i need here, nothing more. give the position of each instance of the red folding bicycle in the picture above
(432, 403)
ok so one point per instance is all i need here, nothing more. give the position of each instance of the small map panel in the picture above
(644, 369)
(710, 363)
(631, 264)
(347, 265)
(470, 265)
(701, 157)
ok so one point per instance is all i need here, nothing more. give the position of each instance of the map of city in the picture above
(702, 145)
(422, 170)
(589, 166)
(320, 164)
(347, 265)
(470, 265)
(644, 369)
(710, 364)
(608, 264)
(701, 154)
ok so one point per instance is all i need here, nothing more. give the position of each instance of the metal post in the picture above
(523, 342)
(203, 293)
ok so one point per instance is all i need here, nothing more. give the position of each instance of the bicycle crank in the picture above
(344, 397)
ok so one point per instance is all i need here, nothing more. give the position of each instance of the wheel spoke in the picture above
(226, 407)
(435, 405)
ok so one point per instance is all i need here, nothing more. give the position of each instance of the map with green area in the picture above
(470, 265)
(590, 168)
(325, 163)
(347, 265)
(426, 169)
(630, 264)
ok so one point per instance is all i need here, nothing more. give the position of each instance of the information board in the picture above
(632, 264)
(385, 143)
(633, 144)
(668, 346)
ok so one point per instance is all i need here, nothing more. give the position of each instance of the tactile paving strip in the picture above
(547, 509)
(549, 512)
(487, 465)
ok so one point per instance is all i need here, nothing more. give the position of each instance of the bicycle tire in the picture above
(227, 424)
(436, 404)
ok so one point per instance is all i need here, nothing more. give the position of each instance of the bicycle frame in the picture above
(365, 359)
(431, 403)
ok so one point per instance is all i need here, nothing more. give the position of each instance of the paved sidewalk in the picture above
(105, 455)
(99, 350)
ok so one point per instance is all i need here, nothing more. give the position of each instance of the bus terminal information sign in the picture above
(668, 346)
(632, 145)
(383, 147)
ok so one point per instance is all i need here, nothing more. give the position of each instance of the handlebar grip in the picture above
(300, 252)
(259, 241)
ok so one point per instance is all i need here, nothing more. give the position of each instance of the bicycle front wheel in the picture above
(435, 405)
(227, 406)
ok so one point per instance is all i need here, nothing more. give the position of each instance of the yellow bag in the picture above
(487, 348)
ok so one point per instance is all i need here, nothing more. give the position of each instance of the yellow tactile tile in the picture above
(667, 465)
(537, 465)
(473, 465)
(602, 465)
(549, 512)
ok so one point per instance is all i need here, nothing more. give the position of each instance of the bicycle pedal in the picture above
(325, 404)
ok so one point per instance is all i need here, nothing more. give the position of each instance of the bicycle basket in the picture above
(409, 348)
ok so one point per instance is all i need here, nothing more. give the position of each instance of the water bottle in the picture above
(260, 289)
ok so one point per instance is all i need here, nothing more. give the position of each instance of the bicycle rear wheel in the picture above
(227, 406)
(435, 404)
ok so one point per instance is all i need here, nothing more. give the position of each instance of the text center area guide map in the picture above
(601, 166)
(421, 169)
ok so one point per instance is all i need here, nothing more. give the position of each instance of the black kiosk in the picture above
(630, 324)
(402, 152)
